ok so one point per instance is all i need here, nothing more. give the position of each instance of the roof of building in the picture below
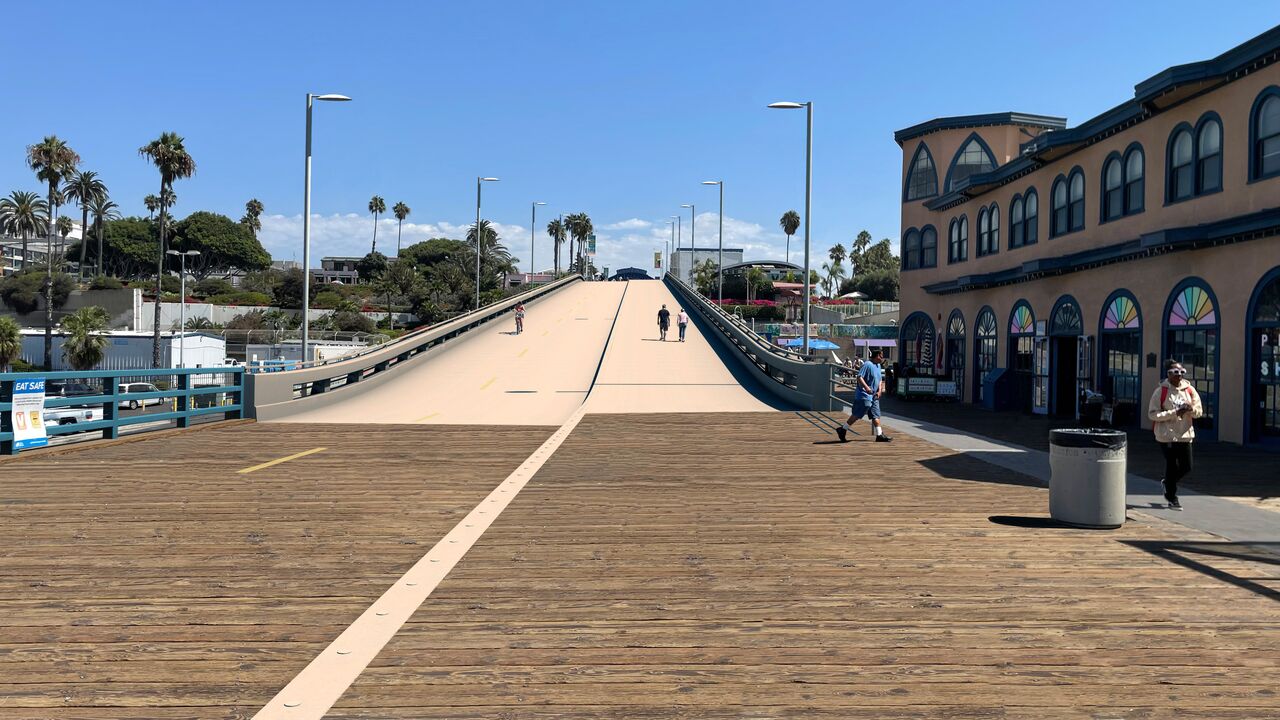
(971, 121)
(1151, 97)
(707, 249)
(763, 264)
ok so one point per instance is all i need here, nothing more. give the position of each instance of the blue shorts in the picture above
(865, 406)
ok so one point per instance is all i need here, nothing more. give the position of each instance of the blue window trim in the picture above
(902, 338)
(1053, 208)
(1014, 201)
(902, 248)
(950, 317)
(953, 230)
(954, 158)
(1165, 327)
(1101, 359)
(935, 246)
(1057, 304)
(1252, 359)
(1102, 187)
(1222, 152)
(1123, 157)
(1025, 235)
(993, 216)
(1010, 336)
(911, 169)
(1124, 169)
(1254, 174)
(1084, 198)
(1169, 199)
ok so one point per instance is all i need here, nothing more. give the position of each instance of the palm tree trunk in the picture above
(788, 247)
(399, 230)
(374, 248)
(155, 331)
(48, 288)
(99, 223)
(84, 238)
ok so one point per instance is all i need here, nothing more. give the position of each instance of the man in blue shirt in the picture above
(866, 399)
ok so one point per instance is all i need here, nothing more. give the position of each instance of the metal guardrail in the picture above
(228, 388)
(270, 394)
(797, 380)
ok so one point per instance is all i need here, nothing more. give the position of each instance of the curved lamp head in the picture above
(712, 182)
(332, 98)
(688, 206)
(484, 179)
(539, 203)
(787, 105)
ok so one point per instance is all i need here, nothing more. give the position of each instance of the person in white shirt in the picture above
(682, 321)
(1173, 408)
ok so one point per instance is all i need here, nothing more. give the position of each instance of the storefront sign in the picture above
(948, 388)
(922, 386)
(27, 415)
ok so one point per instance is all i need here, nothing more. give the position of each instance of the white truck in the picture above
(69, 415)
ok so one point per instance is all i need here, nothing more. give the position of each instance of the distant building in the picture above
(336, 270)
(286, 265)
(630, 273)
(128, 350)
(775, 270)
(683, 260)
(514, 280)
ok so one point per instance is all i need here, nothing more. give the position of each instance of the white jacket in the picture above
(1165, 421)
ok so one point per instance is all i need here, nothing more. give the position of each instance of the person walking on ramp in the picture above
(1173, 408)
(664, 322)
(866, 399)
(682, 322)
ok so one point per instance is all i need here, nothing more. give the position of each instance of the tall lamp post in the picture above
(479, 240)
(808, 198)
(182, 308)
(693, 226)
(306, 223)
(666, 267)
(533, 228)
(720, 261)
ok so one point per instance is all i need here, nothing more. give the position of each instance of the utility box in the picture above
(998, 391)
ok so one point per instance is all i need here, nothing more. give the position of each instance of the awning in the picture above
(874, 342)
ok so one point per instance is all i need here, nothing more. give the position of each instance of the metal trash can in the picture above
(1087, 469)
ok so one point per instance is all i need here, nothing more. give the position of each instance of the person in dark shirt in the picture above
(664, 322)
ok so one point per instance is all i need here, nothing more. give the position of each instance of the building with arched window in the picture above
(1159, 238)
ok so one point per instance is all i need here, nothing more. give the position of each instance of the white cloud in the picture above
(352, 234)
(632, 224)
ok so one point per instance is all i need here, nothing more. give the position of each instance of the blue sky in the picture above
(616, 109)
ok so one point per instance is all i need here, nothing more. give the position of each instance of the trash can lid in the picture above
(1097, 438)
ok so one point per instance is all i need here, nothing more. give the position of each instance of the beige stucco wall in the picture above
(1232, 272)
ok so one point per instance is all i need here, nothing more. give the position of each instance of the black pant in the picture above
(1177, 465)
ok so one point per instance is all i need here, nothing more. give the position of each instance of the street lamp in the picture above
(306, 223)
(667, 265)
(533, 228)
(720, 262)
(693, 226)
(479, 240)
(808, 198)
(182, 309)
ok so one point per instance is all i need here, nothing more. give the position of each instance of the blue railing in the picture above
(194, 392)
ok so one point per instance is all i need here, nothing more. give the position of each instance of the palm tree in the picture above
(495, 259)
(103, 210)
(52, 160)
(153, 204)
(252, 215)
(755, 280)
(85, 345)
(10, 342)
(835, 273)
(790, 223)
(556, 230)
(837, 253)
(579, 225)
(65, 226)
(22, 214)
(170, 156)
(401, 212)
(85, 187)
(377, 206)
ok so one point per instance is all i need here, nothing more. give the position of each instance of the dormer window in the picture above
(973, 158)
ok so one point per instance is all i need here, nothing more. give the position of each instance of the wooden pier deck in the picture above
(657, 566)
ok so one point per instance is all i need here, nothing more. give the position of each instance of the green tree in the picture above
(262, 281)
(837, 253)
(876, 285)
(23, 214)
(704, 275)
(85, 345)
(756, 279)
(253, 216)
(86, 189)
(879, 258)
(495, 259)
(22, 291)
(556, 229)
(288, 294)
(856, 252)
(169, 155)
(790, 223)
(52, 160)
(370, 267)
(104, 210)
(224, 245)
(65, 226)
(377, 206)
(10, 342)
(401, 212)
(580, 227)
(398, 280)
(152, 204)
(348, 321)
(210, 287)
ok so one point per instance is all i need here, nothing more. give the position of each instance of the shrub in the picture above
(326, 299)
(210, 287)
(241, 298)
(352, 322)
(104, 282)
(766, 313)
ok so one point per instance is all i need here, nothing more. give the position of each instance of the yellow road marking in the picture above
(546, 333)
(522, 352)
(277, 461)
(488, 382)
(426, 417)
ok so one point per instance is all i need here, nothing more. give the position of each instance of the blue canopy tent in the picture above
(814, 343)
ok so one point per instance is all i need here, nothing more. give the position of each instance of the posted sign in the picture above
(657, 261)
(27, 415)
(591, 244)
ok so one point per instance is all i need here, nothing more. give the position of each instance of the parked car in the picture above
(69, 415)
(138, 388)
(69, 388)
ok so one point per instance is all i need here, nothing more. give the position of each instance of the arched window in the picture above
(1209, 156)
(1263, 386)
(1032, 222)
(1120, 356)
(964, 238)
(1112, 189)
(911, 250)
(984, 349)
(1191, 332)
(1059, 224)
(1077, 200)
(1065, 319)
(955, 251)
(1264, 135)
(928, 247)
(922, 178)
(1134, 180)
(974, 157)
(1016, 238)
(1181, 161)
(993, 243)
(984, 232)
(917, 343)
(954, 351)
